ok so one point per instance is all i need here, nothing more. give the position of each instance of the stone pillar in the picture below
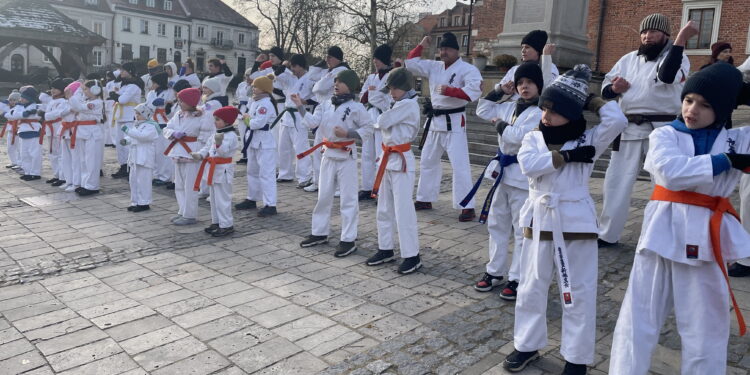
(564, 21)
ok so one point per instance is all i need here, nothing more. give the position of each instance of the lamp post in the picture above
(468, 40)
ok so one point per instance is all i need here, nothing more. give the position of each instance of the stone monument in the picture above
(564, 20)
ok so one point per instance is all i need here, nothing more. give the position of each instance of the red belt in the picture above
(387, 151)
(337, 145)
(719, 206)
(73, 127)
(14, 130)
(160, 112)
(182, 141)
(48, 124)
(213, 161)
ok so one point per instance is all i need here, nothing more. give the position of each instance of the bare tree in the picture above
(314, 25)
(279, 17)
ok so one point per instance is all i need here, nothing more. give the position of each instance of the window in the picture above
(144, 27)
(201, 32)
(127, 52)
(178, 32)
(167, 5)
(125, 23)
(92, 2)
(439, 39)
(51, 50)
(135, 2)
(464, 40)
(442, 22)
(161, 55)
(98, 28)
(161, 29)
(145, 53)
(150, 3)
(706, 14)
(17, 64)
(219, 36)
(241, 38)
(456, 20)
(98, 58)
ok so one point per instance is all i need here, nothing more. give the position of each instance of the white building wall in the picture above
(202, 46)
(153, 40)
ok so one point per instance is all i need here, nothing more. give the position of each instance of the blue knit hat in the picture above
(568, 92)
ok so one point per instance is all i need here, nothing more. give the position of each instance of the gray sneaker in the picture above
(175, 218)
(184, 221)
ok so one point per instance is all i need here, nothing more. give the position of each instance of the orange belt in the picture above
(14, 130)
(182, 141)
(160, 112)
(337, 145)
(73, 127)
(719, 206)
(387, 150)
(48, 124)
(213, 161)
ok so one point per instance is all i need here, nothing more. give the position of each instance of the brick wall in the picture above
(488, 20)
(620, 33)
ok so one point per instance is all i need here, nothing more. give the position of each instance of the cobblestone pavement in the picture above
(89, 288)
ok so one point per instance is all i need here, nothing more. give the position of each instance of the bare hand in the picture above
(688, 31)
(340, 132)
(620, 85)
(297, 100)
(261, 58)
(549, 49)
(398, 62)
(426, 41)
(508, 87)
(286, 63)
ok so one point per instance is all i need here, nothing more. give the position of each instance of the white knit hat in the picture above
(144, 110)
(213, 84)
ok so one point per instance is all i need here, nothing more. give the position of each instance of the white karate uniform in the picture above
(667, 274)
(54, 112)
(124, 115)
(192, 79)
(142, 139)
(109, 135)
(164, 167)
(193, 124)
(647, 95)
(261, 153)
(293, 137)
(221, 187)
(398, 125)
(461, 75)
(560, 202)
(549, 73)
(242, 95)
(30, 149)
(513, 189)
(322, 92)
(13, 144)
(377, 103)
(71, 157)
(338, 166)
(89, 138)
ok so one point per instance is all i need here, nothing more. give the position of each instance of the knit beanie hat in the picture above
(536, 39)
(278, 52)
(73, 87)
(181, 85)
(449, 40)
(719, 84)
(14, 96)
(567, 94)
(144, 110)
(160, 79)
(153, 63)
(383, 53)
(30, 94)
(298, 60)
(213, 84)
(532, 71)
(399, 78)
(350, 79)
(191, 96)
(264, 83)
(130, 68)
(227, 114)
(656, 21)
(58, 84)
(336, 52)
(717, 47)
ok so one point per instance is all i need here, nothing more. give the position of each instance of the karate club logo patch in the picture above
(567, 298)
(691, 251)
(262, 110)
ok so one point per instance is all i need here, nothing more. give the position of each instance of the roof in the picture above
(37, 20)
(101, 5)
(158, 8)
(216, 11)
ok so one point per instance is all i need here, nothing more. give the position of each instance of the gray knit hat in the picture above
(399, 78)
(350, 79)
(656, 21)
(568, 92)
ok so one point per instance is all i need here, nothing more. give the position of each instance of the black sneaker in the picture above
(131, 208)
(158, 182)
(58, 183)
(122, 172)
(35, 178)
(738, 270)
(26, 177)
(467, 214)
(422, 205)
(574, 369)
(211, 228)
(509, 291)
(312, 240)
(242, 161)
(518, 361)
(345, 248)
(52, 180)
(170, 185)
(410, 265)
(283, 180)
(602, 243)
(267, 211)
(221, 232)
(83, 192)
(382, 256)
(365, 195)
(488, 282)
(245, 205)
(141, 208)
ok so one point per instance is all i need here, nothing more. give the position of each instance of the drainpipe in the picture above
(602, 12)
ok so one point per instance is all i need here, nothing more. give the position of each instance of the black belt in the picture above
(162, 126)
(246, 141)
(640, 119)
(431, 112)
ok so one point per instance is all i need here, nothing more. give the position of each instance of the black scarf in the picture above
(338, 100)
(225, 129)
(522, 105)
(557, 135)
(651, 51)
(384, 71)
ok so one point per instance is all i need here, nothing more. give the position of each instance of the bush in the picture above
(505, 62)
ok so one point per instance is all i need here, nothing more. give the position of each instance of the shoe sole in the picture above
(411, 270)
(316, 243)
(382, 261)
(507, 298)
(484, 289)
(341, 255)
(222, 234)
(522, 365)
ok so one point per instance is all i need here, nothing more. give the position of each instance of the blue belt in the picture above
(249, 138)
(505, 161)
(28, 134)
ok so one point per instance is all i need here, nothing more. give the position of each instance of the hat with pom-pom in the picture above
(568, 92)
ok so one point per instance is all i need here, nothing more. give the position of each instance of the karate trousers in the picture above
(122, 151)
(221, 204)
(185, 173)
(343, 172)
(31, 156)
(140, 184)
(502, 224)
(431, 170)
(699, 297)
(293, 141)
(396, 214)
(71, 163)
(261, 175)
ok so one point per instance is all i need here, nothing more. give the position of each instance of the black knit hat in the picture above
(567, 94)
(399, 78)
(278, 52)
(58, 83)
(181, 85)
(536, 39)
(719, 84)
(30, 94)
(532, 71)
(449, 40)
(130, 68)
(160, 79)
(383, 53)
(67, 81)
(656, 21)
(298, 60)
(336, 52)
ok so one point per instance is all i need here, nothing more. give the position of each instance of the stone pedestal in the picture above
(564, 21)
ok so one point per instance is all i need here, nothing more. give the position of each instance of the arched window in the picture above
(16, 64)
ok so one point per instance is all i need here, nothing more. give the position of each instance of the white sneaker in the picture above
(312, 188)
(337, 194)
(70, 188)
